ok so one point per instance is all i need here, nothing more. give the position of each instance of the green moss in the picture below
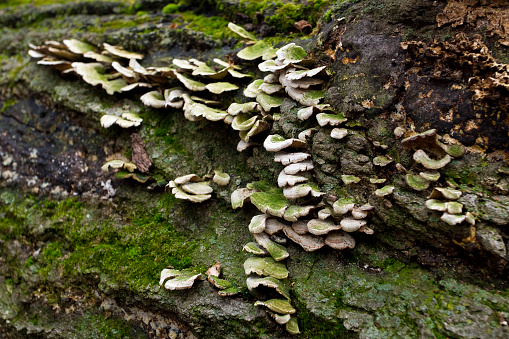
(120, 23)
(7, 103)
(214, 26)
(97, 326)
(171, 8)
(131, 251)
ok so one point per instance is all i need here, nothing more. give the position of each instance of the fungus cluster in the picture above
(172, 279)
(428, 143)
(296, 207)
(444, 200)
(192, 188)
(125, 168)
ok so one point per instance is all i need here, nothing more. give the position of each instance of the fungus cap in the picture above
(330, 119)
(182, 281)
(386, 190)
(220, 87)
(299, 167)
(265, 266)
(241, 31)
(278, 285)
(243, 122)
(257, 224)
(276, 251)
(382, 160)
(338, 133)
(196, 198)
(253, 247)
(153, 99)
(197, 188)
(272, 226)
(273, 203)
(280, 319)
(214, 270)
(296, 75)
(340, 240)
(267, 102)
(447, 193)
(308, 242)
(416, 182)
(324, 213)
(422, 158)
(189, 83)
(242, 145)
(221, 178)
(294, 212)
(352, 225)
(239, 196)
(292, 326)
(290, 158)
(320, 227)
(270, 88)
(120, 52)
(219, 283)
(453, 219)
(187, 178)
(454, 207)
(291, 53)
(343, 206)
(258, 49)
(298, 191)
(236, 108)
(358, 213)
(430, 176)
(281, 306)
(289, 180)
(426, 140)
(436, 205)
(350, 179)
(300, 227)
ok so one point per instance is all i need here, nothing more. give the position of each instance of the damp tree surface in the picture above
(247, 169)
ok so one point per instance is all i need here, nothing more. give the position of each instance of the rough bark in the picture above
(81, 250)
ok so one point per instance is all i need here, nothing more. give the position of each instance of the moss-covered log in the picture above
(82, 249)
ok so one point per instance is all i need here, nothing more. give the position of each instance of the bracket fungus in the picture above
(294, 212)
(290, 158)
(386, 190)
(254, 248)
(325, 119)
(273, 203)
(178, 280)
(276, 251)
(338, 133)
(257, 224)
(340, 240)
(382, 160)
(221, 178)
(278, 285)
(295, 168)
(308, 242)
(417, 182)
(350, 179)
(190, 187)
(281, 306)
(265, 266)
(320, 227)
(422, 158)
(289, 69)
(445, 193)
(126, 120)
